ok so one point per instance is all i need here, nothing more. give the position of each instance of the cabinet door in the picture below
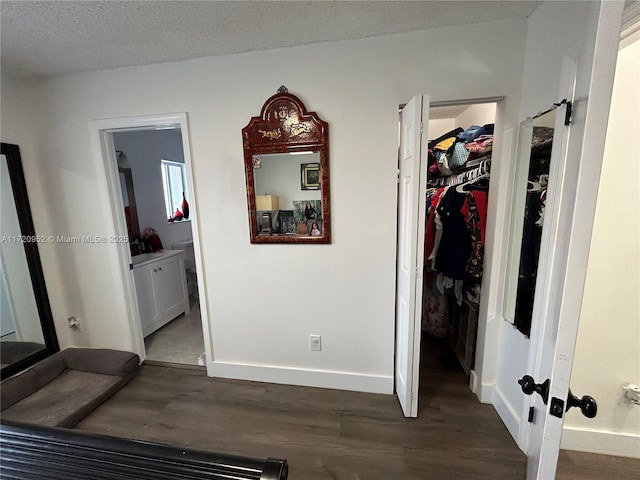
(147, 301)
(171, 287)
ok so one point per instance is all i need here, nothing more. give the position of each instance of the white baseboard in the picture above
(509, 416)
(601, 441)
(485, 394)
(474, 383)
(303, 377)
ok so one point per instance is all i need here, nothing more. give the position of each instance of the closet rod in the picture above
(456, 179)
(467, 101)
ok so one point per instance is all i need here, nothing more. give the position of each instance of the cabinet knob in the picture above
(155, 269)
(159, 268)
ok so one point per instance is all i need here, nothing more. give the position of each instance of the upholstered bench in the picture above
(64, 388)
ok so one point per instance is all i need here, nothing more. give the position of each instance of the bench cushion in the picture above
(64, 388)
(66, 400)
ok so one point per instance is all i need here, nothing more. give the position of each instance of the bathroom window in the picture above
(174, 181)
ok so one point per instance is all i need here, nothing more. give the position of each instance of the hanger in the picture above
(472, 176)
(461, 188)
(533, 186)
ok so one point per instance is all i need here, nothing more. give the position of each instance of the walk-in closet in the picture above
(458, 179)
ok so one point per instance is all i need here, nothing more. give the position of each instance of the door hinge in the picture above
(421, 128)
(131, 266)
(557, 407)
(532, 412)
(411, 395)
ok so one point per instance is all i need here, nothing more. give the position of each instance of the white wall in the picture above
(477, 114)
(441, 126)
(607, 352)
(145, 149)
(260, 314)
(21, 123)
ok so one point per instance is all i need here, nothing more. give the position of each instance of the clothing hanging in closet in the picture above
(454, 251)
(455, 223)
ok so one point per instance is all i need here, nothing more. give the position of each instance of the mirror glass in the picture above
(530, 195)
(287, 173)
(288, 197)
(21, 331)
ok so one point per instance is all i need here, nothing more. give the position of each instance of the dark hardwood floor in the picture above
(324, 434)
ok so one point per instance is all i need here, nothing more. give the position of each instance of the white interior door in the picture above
(411, 220)
(570, 212)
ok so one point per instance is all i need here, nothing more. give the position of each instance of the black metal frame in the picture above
(35, 452)
(23, 209)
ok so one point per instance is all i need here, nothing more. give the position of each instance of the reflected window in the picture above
(174, 181)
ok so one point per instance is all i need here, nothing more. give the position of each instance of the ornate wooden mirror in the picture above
(286, 161)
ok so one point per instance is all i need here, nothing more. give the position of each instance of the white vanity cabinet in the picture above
(161, 287)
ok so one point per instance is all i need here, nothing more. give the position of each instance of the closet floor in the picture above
(330, 434)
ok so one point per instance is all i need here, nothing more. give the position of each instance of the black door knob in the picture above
(529, 386)
(587, 404)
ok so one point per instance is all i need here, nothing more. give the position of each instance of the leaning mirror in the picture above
(27, 334)
(286, 159)
(527, 217)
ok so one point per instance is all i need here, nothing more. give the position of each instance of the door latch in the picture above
(557, 407)
(587, 403)
(532, 413)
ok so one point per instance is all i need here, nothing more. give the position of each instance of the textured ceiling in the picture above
(45, 38)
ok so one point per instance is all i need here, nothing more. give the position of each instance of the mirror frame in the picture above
(272, 132)
(23, 209)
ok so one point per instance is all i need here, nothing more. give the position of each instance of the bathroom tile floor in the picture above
(179, 341)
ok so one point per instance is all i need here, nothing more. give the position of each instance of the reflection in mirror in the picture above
(532, 177)
(287, 172)
(288, 200)
(23, 298)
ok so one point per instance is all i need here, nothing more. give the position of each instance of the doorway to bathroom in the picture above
(149, 175)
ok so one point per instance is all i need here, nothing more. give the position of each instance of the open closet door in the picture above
(410, 251)
(572, 216)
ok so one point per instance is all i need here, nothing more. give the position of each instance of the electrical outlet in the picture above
(74, 324)
(315, 343)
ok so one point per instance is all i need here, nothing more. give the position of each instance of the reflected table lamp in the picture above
(266, 203)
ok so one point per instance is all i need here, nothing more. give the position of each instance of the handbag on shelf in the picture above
(459, 156)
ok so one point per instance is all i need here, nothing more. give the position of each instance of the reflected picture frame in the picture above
(310, 173)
